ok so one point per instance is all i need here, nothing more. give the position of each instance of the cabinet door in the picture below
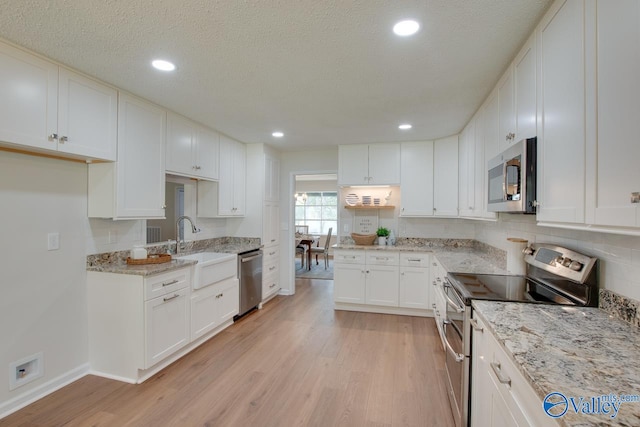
(87, 117)
(225, 185)
(416, 178)
(29, 93)
(271, 223)
(206, 153)
(466, 167)
(507, 111)
(166, 326)
(524, 73)
(617, 151)
(272, 179)
(382, 285)
(204, 311)
(353, 164)
(239, 178)
(181, 135)
(445, 179)
(349, 283)
(481, 385)
(490, 135)
(384, 164)
(140, 167)
(228, 301)
(414, 288)
(561, 133)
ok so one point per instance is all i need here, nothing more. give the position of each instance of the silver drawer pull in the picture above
(475, 325)
(414, 260)
(272, 286)
(271, 268)
(170, 298)
(380, 258)
(272, 253)
(501, 377)
(173, 282)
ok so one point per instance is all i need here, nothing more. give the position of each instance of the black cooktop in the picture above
(516, 288)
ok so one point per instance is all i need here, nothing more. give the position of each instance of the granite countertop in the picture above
(116, 262)
(579, 352)
(456, 256)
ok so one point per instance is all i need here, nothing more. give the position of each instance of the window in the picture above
(318, 210)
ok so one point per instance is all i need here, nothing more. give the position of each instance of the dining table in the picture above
(307, 240)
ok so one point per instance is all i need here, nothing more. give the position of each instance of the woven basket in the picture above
(363, 239)
(151, 259)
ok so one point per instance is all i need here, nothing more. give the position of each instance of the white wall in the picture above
(43, 306)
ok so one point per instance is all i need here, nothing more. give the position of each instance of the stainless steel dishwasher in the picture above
(250, 276)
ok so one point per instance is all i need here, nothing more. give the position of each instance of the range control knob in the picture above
(528, 250)
(575, 265)
(559, 260)
(567, 262)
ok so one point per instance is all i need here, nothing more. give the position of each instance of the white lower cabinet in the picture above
(382, 281)
(500, 395)
(136, 322)
(270, 272)
(214, 305)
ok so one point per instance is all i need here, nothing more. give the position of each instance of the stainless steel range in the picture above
(555, 275)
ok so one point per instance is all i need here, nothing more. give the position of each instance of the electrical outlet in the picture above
(53, 241)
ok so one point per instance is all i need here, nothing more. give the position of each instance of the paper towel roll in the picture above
(515, 257)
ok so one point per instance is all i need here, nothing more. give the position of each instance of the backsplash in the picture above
(620, 307)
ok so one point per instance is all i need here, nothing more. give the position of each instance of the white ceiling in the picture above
(325, 72)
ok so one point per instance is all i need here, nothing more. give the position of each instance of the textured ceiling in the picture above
(325, 72)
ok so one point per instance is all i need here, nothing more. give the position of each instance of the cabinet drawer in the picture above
(382, 258)
(270, 254)
(162, 284)
(270, 268)
(270, 285)
(349, 257)
(415, 259)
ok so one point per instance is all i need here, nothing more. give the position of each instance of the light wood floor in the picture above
(296, 362)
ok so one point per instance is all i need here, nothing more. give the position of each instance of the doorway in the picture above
(315, 225)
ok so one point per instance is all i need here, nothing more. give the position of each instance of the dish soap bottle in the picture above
(391, 240)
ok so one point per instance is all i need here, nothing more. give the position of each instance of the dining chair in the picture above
(324, 251)
(302, 250)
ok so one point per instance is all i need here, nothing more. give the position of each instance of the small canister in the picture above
(138, 252)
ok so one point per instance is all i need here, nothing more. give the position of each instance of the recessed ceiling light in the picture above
(406, 28)
(405, 126)
(162, 65)
(277, 134)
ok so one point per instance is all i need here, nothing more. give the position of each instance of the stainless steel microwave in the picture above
(512, 179)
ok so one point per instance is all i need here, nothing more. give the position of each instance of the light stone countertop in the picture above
(579, 352)
(454, 258)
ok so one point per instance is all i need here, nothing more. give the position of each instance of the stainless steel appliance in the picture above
(555, 275)
(250, 277)
(512, 179)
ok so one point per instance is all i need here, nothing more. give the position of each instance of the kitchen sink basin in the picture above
(212, 267)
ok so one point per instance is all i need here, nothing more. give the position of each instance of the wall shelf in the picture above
(369, 207)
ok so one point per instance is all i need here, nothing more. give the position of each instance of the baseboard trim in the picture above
(383, 310)
(27, 398)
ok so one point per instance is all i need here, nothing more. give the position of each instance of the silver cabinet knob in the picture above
(53, 137)
(63, 139)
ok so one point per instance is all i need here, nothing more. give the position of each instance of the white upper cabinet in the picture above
(226, 198)
(562, 124)
(192, 149)
(524, 75)
(272, 178)
(445, 177)
(617, 151)
(50, 109)
(507, 110)
(416, 181)
(466, 170)
(134, 186)
(374, 164)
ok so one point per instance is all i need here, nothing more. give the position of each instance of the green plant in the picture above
(382, 232)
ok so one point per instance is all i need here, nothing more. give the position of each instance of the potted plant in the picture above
(382, 235)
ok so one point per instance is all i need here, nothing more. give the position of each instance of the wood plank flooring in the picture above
(296, 362)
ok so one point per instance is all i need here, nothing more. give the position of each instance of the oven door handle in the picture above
(457, 356)
(452, 303)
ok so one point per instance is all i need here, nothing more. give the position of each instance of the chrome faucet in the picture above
(194, 229)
